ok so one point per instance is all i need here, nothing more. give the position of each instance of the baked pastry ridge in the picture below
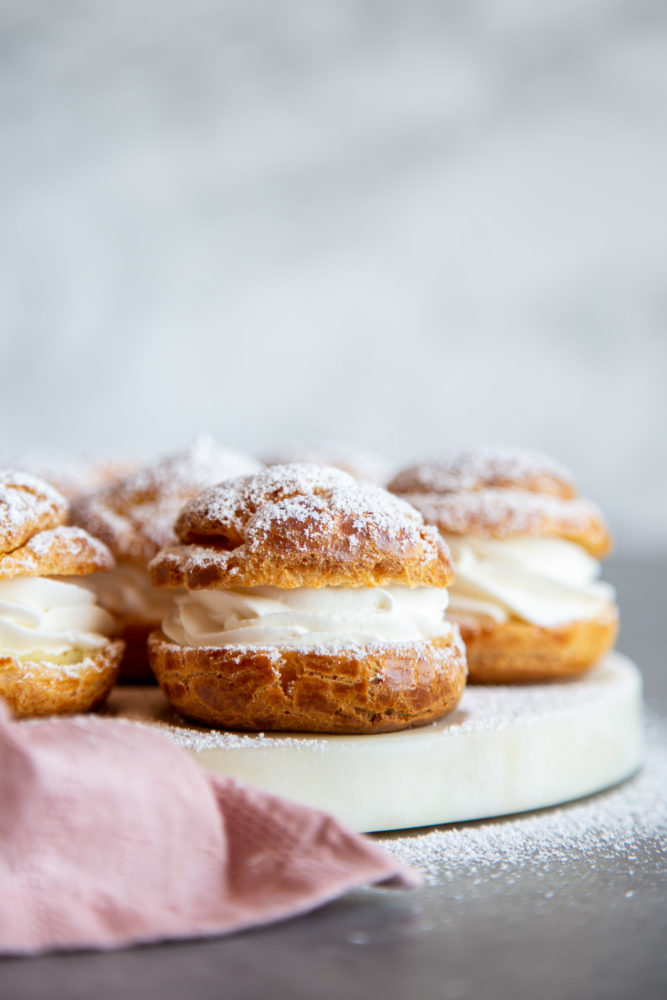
(526, 593)
(311, 602)
(56, 654)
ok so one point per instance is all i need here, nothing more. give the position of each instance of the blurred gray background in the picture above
(406, 225)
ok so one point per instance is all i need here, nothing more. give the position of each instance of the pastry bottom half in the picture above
(74, 682)
(516, 651)
(373, 689)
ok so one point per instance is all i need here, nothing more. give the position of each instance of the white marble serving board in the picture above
(504, 750)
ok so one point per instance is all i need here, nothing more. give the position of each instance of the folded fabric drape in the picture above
(111, 836)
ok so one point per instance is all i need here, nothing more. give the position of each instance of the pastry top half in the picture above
(482, 467)
(503, 494)
(134, 516)
(34, 541)
(295, 526)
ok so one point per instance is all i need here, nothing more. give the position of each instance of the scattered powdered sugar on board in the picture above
(617, 824)
(197, 739)
(142, 706)
(483, 708)
(491, 707)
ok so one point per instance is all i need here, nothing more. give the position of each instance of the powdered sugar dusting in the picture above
(64, 550)
(501, 513)
(487, 707)
(135, 515)
(65, 535)
(26, 505)
(34, 669)
(484, 466)
(141, 706)
(616, 824)
(305, 506)
(358, 649)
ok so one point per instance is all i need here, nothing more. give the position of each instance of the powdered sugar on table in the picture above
(614, 825)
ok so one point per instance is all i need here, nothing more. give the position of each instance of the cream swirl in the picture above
(545, 581)
(128, 590)
(261, 616)
(47, 616)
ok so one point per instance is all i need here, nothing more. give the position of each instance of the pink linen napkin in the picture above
(110, 835)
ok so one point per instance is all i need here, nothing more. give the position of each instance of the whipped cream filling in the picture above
(544, 581)
(127, 589)
(261, 616)
(42, 617)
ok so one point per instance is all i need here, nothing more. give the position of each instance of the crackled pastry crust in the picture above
(301, 526)
(34, 541)
(27, 505)
(78, 684)
(62, 551)
(511, 513)
(516, 651)
(478, 468)
(374, 689)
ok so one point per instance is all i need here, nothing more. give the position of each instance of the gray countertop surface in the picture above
(575, 923)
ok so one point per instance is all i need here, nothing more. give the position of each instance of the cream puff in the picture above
(308, 602)
(526, 550)
(134, 516)
(56, 654)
